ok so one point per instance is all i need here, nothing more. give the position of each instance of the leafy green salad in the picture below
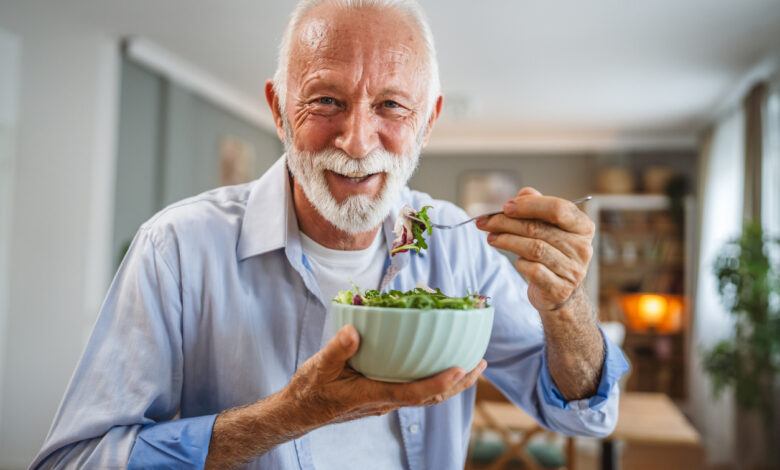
(420, 297)
(410, 229)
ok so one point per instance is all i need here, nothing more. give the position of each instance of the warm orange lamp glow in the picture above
(657, 312)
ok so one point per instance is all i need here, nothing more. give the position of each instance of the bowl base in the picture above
(388, 379)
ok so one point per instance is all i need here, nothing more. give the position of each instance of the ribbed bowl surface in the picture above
(401, 345)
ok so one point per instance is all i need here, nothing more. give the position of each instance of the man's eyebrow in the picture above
(394, 92)
(320, 83)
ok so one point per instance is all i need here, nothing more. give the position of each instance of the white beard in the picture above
(359, 213)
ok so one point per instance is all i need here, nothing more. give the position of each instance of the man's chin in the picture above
(357, 214)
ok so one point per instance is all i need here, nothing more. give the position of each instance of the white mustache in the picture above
(335, 160)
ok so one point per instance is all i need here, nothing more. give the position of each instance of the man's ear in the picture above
(432, 119)
(273, 103)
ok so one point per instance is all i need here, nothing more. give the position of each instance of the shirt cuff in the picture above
(615, 365)
(182, 443)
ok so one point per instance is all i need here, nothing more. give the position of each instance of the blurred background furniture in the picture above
(650, 423)
(640, 276)
(522, 443)
(651, 429)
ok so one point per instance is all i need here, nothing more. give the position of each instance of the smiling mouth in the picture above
(357, 177)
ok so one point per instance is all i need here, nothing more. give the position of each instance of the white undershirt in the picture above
(372, 442)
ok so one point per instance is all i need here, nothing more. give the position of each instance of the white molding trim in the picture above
(193, 78)
(451, 141)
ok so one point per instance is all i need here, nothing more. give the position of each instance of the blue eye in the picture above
(326, 100)
(390, 104)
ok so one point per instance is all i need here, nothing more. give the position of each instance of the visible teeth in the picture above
(356, 175)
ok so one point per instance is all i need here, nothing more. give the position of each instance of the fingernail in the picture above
(345, 338)
(510, 206)
(492, 237)
(481, 221)
(459, 375)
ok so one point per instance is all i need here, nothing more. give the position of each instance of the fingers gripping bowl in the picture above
(413, 335)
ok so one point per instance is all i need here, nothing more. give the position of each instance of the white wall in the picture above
(9, 89)
(59, 256)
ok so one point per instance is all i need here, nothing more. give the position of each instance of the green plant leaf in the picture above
(748, 280)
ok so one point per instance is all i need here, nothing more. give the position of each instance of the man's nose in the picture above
(359, 136)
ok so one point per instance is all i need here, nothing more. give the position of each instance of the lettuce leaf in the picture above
(410, 234)
(415, 298)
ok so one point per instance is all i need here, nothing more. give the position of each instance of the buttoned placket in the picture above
(313, 322)
(412, 424)
(312, 318)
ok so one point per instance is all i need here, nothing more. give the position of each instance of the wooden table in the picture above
(647, 418)
(644, 418)
(505, 418)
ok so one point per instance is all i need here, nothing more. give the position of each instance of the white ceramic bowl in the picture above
(402, 345)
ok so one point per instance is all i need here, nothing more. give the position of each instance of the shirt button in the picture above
(414, 429)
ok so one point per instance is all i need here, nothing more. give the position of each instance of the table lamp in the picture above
(646, 312)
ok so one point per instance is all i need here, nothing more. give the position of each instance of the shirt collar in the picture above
(270, 223)
(265, 223)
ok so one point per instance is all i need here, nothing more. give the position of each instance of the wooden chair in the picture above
(494, 412)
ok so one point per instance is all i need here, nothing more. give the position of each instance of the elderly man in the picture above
(214, 347)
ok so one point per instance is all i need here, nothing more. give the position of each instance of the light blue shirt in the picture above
(214, 307)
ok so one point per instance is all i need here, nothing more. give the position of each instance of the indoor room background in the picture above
(109, 111)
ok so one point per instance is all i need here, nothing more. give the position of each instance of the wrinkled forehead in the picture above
(329, 34)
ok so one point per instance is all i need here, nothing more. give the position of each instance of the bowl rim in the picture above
(408, 310)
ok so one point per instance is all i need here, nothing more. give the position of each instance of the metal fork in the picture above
(440, 226)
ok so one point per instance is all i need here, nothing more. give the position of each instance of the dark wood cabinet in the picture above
(642, 245)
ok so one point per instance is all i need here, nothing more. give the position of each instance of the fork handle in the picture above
(573, 201)
(488, 214)
(440, 226)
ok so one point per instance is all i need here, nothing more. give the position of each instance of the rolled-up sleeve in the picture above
(118, 409)
(183, 443)
(596, 415)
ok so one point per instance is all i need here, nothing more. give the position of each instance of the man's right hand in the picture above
(329, 391)
(323, 390)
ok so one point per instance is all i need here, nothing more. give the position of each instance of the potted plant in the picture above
(749, 285)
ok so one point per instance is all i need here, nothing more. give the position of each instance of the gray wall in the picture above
(9, 92)
(136, 197)
(568, 175)
(168, 147)
(60, 227)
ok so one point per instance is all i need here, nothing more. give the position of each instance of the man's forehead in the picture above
(332, 33)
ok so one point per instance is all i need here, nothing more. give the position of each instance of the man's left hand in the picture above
(552, 238)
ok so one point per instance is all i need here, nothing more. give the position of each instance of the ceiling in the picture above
(656, 70)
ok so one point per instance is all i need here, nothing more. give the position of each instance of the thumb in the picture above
(528, 191)
(340, 348)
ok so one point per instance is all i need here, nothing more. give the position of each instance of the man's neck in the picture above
(316, 227)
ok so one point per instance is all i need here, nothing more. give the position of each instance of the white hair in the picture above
(410, 7)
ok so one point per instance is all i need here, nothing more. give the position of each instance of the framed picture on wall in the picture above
(236, 161)
(481, 191)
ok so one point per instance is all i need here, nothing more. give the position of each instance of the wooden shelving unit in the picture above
(640, 246)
